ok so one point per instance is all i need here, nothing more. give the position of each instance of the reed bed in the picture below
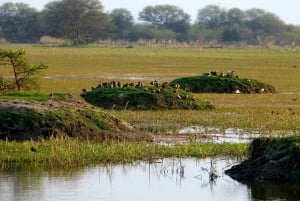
(72, 153)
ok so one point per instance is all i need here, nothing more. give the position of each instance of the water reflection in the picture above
(168, 179)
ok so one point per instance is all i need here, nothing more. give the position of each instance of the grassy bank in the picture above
(217, 84)
(72, 153)
(144, 98)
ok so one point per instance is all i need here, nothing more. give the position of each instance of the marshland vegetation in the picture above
(72, 69)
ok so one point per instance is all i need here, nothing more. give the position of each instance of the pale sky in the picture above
(287, 10)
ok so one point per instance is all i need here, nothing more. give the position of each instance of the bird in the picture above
(33, 149)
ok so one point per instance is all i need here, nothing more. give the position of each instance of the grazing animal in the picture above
(51, 96)
(176, 86)
(119, 84)
(154, 82)
(84, 92)
(237, 91)
(33, 149)
(230, 73)
(139, 84)
(222, 74)
(165, 84)
(213, 73)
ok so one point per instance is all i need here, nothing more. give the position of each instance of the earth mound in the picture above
(31, 120)
(223, 84)
(143, 98)
(271, 160)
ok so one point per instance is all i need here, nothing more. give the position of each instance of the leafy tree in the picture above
(25, 75)
(167, 17)
(234, 28)
(122, 19)
(19, 22)
(75, 19)
(211, 17)
(141, 31)
(263, 24)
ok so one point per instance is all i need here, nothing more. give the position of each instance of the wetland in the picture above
(114, 170)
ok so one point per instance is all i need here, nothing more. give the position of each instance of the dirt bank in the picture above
(275, 160)
(26, 120)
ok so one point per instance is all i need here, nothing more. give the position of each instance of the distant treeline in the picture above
(84, 21)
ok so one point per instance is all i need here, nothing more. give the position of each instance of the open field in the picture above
(71, 69)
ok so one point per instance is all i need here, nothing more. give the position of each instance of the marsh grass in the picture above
(262, 112)
(278, 67)
(71, 69)
(68, 153)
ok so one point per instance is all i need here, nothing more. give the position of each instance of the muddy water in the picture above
(168, 179)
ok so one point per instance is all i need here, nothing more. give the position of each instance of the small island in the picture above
(213, 82)
(136, 96)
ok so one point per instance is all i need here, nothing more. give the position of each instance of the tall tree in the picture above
(18, 22)
(122, 20)
(234, 29)
(211, 17)
(263, 23)
(167, 17)
(74, 19)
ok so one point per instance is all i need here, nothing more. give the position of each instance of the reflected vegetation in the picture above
(165, 179)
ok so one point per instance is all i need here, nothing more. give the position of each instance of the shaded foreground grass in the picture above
(70, 153)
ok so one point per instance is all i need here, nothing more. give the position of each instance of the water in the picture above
(168, 179)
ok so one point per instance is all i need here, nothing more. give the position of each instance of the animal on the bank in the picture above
(230, 73)
(164, 85)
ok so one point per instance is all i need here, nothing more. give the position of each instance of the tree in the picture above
(234, 29)
(75, 19)
(263, 24)
(19, 22)
(122, 19)
(167, 17)
(25, 75)
(211, 17)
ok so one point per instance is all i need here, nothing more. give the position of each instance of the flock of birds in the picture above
(157, 87)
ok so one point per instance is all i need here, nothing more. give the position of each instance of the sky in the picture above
(287, 10)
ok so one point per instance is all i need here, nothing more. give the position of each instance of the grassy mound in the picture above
(217, 84)
(271, 159)
(26, 120)
(144, 98)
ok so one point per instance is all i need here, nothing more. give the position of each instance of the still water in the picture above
(168, 179)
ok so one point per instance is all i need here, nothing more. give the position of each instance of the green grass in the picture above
(71, 69)
(144, 98)
(85, 64)
(216, 84)
(33, 96)
(73, 153)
